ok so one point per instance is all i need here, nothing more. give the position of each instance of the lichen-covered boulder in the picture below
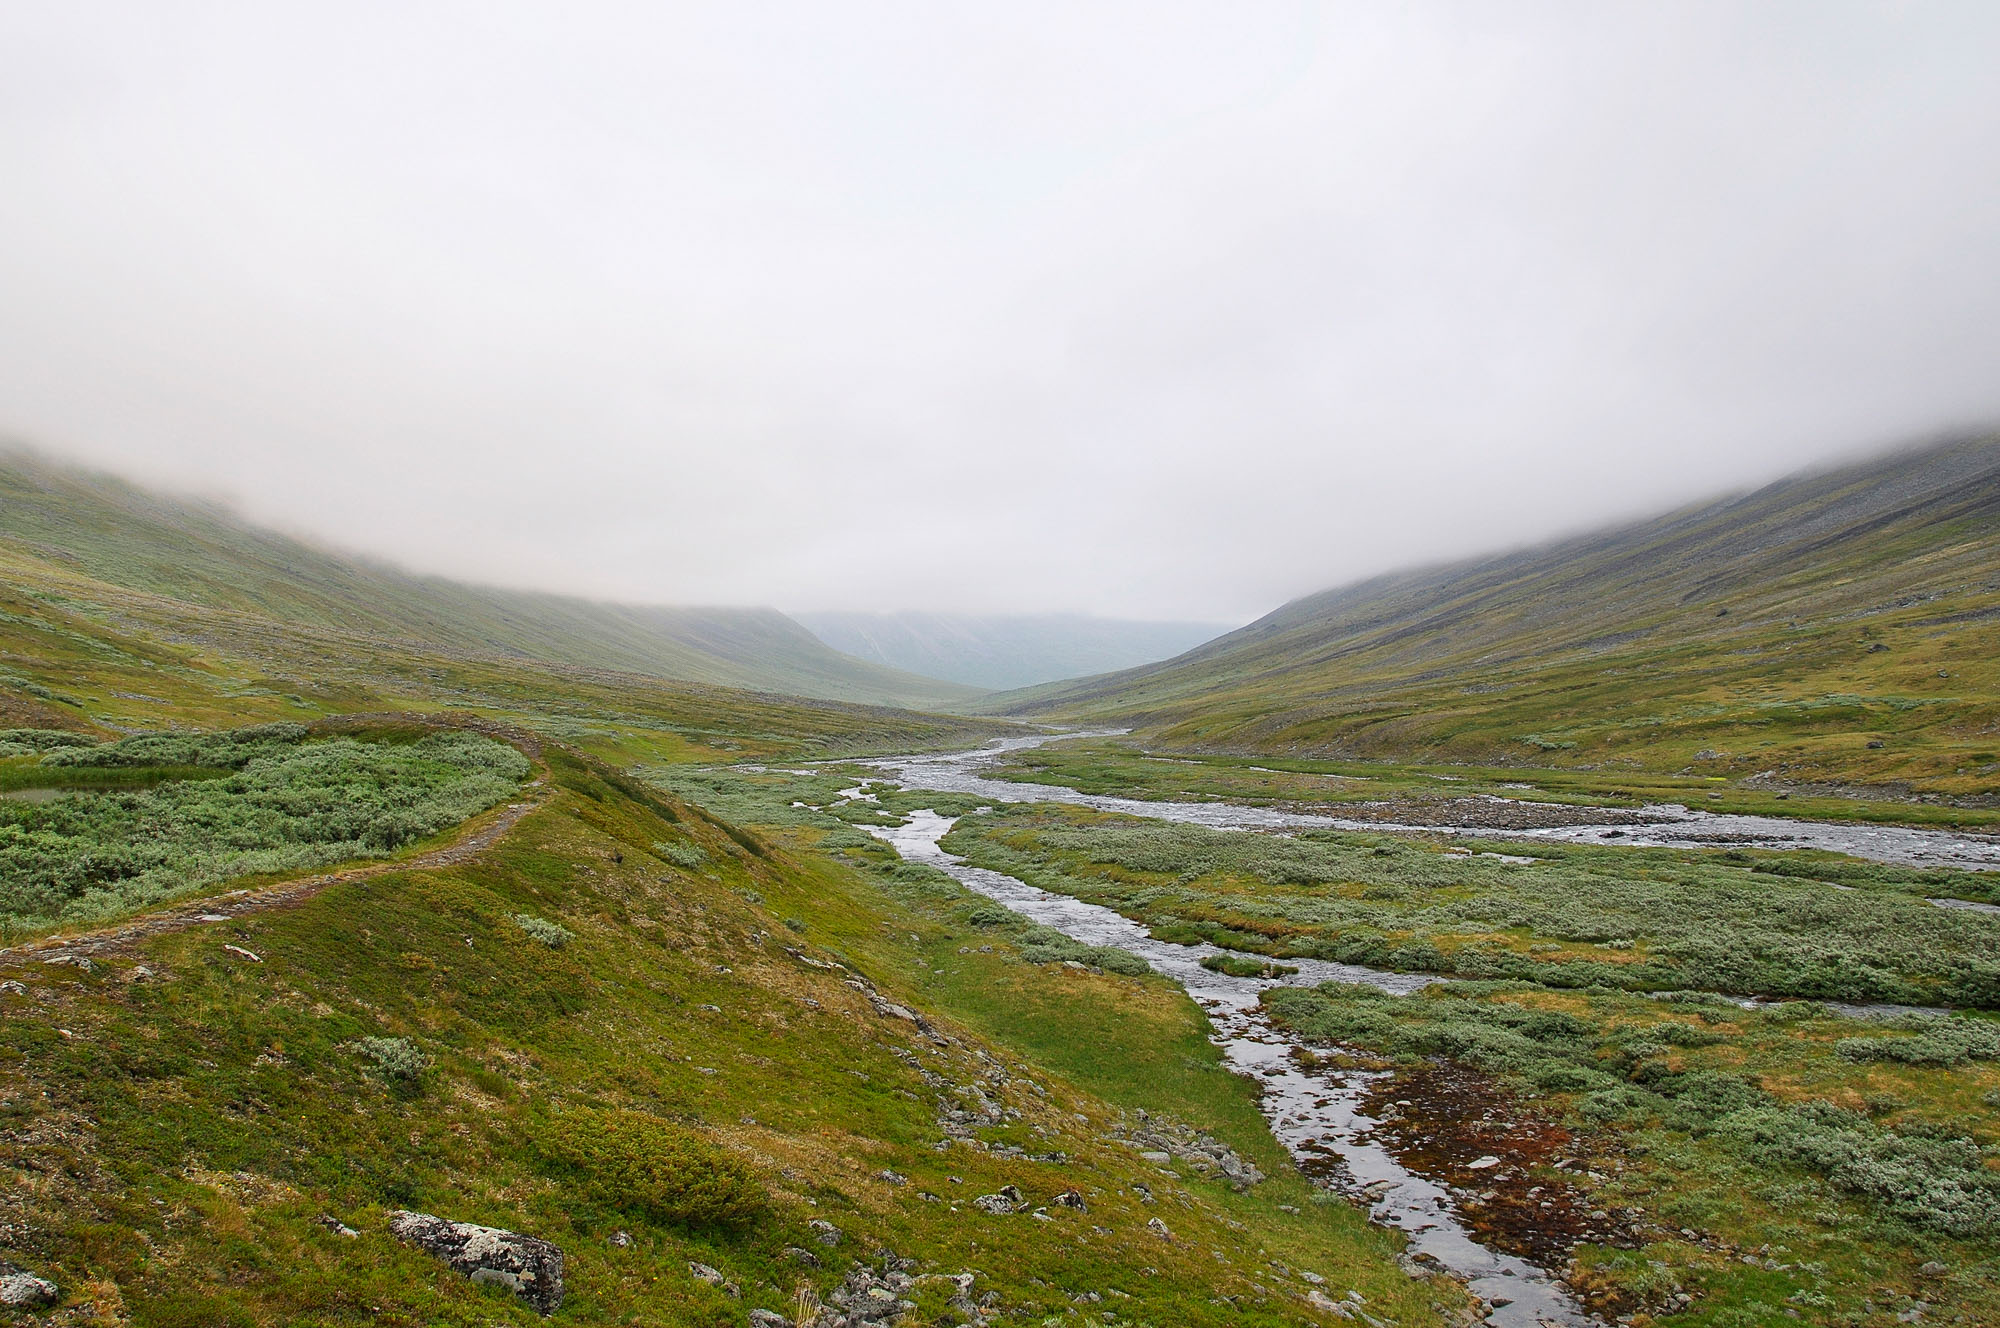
(21, 1289)
(529, 1266)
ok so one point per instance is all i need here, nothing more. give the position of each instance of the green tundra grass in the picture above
(186, 1124)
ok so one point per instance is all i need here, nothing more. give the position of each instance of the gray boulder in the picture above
(1008, 1200)
(529, 1266)
(21, 1289)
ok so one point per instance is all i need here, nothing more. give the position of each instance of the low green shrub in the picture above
(649, 1167)
(686, 856)
(231, 749)
(1936, 1041)
(289, 805)
(1046, 945)
(552, 934)
(396, 1059)
(1938, 1183)
(1244, 966)
(24, 742)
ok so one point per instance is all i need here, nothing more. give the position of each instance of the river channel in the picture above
(1322, 1115)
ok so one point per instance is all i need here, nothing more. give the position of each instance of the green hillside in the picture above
(1839, 625)
(199, 554)
(351, 921)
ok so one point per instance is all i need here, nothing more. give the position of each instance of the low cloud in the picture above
(1156, 311)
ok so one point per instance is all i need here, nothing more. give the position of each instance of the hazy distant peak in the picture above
(1005, 650)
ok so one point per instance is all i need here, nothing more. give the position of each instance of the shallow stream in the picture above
(1320, 1115)
(1661, 825)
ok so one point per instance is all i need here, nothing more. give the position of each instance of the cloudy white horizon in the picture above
(1151, 311)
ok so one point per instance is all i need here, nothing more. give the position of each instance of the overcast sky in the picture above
(1151, 310)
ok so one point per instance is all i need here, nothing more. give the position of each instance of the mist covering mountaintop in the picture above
(1000, 651)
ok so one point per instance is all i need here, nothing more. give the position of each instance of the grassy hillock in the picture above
(721, 1068)
(1839, 627)
(69, 529)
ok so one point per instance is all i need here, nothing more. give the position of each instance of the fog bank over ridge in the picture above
(1148, 311)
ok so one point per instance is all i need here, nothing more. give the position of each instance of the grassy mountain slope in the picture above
(996, 651)
(664, 1042)
(1839, 625)
(85, 655)
(593, 1012)
(199, 554)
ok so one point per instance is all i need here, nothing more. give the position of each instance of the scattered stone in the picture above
(1482, 1163)
(12, 988)
(768, 1319)
(529, 1266)
(72, 961)
(893, 1010)
(1933, 1269)
(808, 960)
(867, 1297)
(804, 1258)
(1319, 1301)
(825, 1232)
(1160, 1141)
(885, 1174)
(1008, 1200)
(1158, 1228)
(335, 1225)
(139, 973)
(621, 1239)
(242, 953)
(1070, 1199)
(703, 1273)
(21, 1289)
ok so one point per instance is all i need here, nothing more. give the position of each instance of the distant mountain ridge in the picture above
(1742, 623)
(1005, 651)
(202, 554)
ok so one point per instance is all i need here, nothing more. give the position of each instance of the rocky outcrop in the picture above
(529, 1266)
(1160, 1140)
(22, 1290)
